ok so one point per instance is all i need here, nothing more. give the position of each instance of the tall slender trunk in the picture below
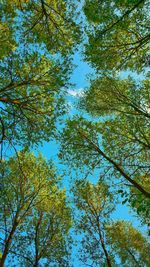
(108, 260)
(105, 251)
(116, 166)
(8, 243)
(36, 240)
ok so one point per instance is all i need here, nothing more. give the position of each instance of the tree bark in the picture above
(8, 243)
(103, 245)
(36, 241)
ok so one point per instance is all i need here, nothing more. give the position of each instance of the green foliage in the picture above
(38, 38)
(46, 232)
(108, 95)
(81, 145)
(35, 219)
(104, 242)
(31, 97)
(140, 204)
(118, 38)
(44, 21)
(125, 131)
(95, 208)
(6, 41)
(129, 244)
(75, 149)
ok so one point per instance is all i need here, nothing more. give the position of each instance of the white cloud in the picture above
(76, 92)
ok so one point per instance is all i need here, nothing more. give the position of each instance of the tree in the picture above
(118, 41)
(129, 244)
(94, 205)
(30, 190)
(46, 240)
(118, 34)
(139, 203)
(81, 144)
(34, 68)
(125, 130)
(112, 95)
(105, 242)
(46, 22)
(31, 98)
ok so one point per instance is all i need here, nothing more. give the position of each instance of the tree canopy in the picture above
(118, 34)
(94, 204)
(41, 36)
(128, 243)
(49, 214)
(35, 219)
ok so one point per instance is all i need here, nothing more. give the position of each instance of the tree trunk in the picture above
(117, 167)
(36, 240)
(103, 245)
(8, 243)
(105, 251)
